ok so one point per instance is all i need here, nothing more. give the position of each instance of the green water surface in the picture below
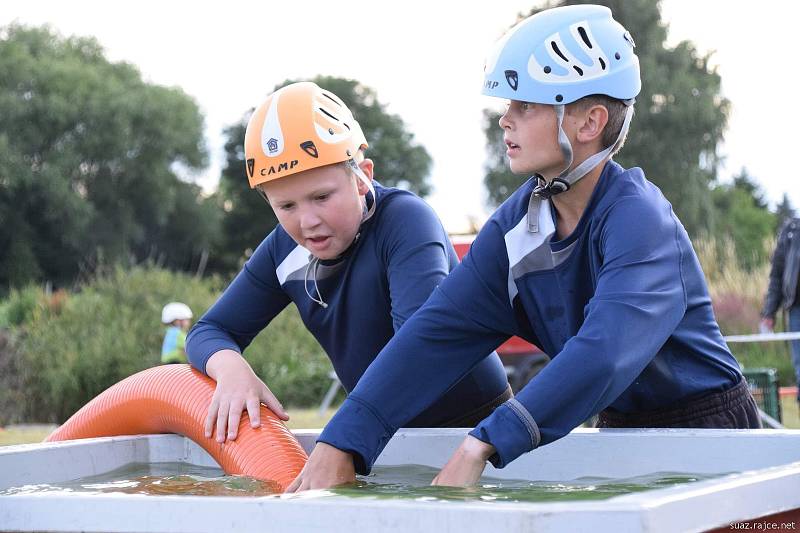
(387, 482)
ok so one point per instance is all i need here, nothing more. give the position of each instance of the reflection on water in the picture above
(405, 482)
(158, 479)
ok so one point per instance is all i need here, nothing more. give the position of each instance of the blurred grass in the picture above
(308, 418)
(737, 295)
(25, 433)
(790, 412)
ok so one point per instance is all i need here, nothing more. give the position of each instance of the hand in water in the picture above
(327, 466)
(465, 467)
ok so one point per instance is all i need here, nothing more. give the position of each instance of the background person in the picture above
(783, 291)
(178, 318)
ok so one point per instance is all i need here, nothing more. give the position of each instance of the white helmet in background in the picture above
(175, 311)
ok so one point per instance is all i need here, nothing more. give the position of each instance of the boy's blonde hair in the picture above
(616, 117)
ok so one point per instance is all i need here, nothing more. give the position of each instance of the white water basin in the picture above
(766, 462)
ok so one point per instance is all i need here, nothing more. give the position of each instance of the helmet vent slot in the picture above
(346, 125)
(602, 63)
(331, 116)
(329, 97)
(578, 69)
(585, 37)
(558, 51)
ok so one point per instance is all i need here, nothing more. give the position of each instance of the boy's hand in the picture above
(237, 388)
(465, 467)
(327, 466)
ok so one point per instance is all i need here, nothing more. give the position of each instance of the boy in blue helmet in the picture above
(586, 260)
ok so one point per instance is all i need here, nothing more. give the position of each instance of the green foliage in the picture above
(89, 161)
(20, 306)
(741, 214)
(59, 352)
(766, 355)
(109, 330)
(679, 121)
(246, 217)
(399, 162)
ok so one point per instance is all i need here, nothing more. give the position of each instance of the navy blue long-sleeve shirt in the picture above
(621, 305)
(400, 256)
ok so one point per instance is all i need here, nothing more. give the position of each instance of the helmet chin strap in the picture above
(567, 177)
(368, 212)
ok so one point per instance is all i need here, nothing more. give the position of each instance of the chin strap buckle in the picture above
(547, 190)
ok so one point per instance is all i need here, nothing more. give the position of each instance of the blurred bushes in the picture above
(737, 294)
(59, 351)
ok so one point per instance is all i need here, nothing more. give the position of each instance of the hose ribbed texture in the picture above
(175, 399)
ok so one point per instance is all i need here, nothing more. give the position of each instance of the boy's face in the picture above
(321, 208)
(531, 137)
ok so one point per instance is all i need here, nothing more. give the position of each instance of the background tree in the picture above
(679, 121)
(400, 162)
(742, 216)
(246, 218)
(749, 185)
(89, 162)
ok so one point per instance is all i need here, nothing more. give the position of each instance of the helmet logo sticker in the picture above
(512, 78)
(277, 169)
(491, 84)
(309, 148)
(251, 164)
(271, 133)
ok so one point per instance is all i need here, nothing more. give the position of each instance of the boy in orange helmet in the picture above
(356, 258)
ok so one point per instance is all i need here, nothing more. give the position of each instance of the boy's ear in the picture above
(367, 166)
(592, 124)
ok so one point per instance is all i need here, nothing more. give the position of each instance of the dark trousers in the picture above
(793, 314)
(734, 408)
(471, 419)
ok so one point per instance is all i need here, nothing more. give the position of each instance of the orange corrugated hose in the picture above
(175, 399)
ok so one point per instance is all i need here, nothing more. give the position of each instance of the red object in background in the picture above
(514, 345)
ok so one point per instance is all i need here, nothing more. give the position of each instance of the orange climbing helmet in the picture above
(299, 127)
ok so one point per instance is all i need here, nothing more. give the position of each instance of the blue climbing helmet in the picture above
(562, 54)
(556, 57)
